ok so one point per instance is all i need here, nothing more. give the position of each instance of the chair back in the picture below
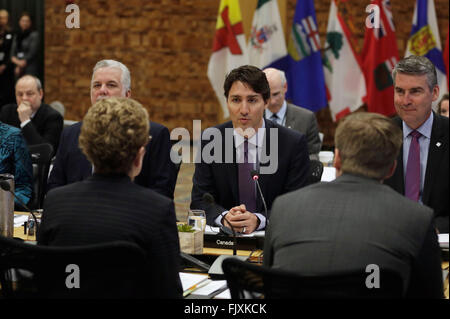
(247, 280)
(41, 157)
(315, 171)
(106, 270)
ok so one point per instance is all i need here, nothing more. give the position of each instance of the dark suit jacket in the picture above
(44, 127)
(221, 179)
(158, 171)
(107, 208)
(436, 190)
(350, 223)
(304, 121)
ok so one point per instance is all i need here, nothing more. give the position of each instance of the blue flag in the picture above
(303, 64)
(425, 40)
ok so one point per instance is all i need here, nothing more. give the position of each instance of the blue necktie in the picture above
(247, 193)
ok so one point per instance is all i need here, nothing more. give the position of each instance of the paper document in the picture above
(224, 295)
(19, 220)
(211, 287)
(443, 240)
(329, 174)
(190, 280)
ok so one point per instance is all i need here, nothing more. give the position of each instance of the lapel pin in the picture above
(438, 144)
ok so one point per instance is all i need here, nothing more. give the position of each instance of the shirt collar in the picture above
(255, 140)
(281, 113)
(424, 129)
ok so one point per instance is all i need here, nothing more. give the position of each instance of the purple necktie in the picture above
(247, 194)
(412, 178)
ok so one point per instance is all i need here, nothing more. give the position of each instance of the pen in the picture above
(195, 287)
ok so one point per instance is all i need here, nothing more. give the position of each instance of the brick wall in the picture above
(167, 45)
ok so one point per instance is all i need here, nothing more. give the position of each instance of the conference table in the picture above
(214, 252)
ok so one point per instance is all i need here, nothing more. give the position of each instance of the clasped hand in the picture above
(241, 219)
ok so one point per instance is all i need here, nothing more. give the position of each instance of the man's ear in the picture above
(435, 93)
(337, 159)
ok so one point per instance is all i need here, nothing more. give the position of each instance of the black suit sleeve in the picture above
(203, 182)
(298, 166)
(57, 175)
(426, 273)
(51, 131)
(158, 171)
(165, 256)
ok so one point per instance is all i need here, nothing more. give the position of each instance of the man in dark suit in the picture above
(112, 78)
(356, 221)
(108, 206)
(39, 122)
(241, 146)
(290, 115)
(422, 172)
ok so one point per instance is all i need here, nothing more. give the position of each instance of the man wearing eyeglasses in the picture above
(39, 122)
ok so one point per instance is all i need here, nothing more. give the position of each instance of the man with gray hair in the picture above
(39, 122)
(422, 172)
(112, 79)
(290, 115)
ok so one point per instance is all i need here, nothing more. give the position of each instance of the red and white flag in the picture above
(229, 48)
(379, 56)
(344, 78)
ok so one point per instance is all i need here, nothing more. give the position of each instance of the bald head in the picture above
(29, 91)
(278, 88)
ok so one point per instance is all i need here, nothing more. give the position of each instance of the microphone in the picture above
(6, 187)
(255, 176)
(207, 197)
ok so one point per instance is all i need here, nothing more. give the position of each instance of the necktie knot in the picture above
(415, 134)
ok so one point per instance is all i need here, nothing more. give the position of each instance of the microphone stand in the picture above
(255, 177)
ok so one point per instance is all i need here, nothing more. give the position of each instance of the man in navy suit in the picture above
(112, 79)
(415, 89)
(231, 151)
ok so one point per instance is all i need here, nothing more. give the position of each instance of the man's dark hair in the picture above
(250, 76)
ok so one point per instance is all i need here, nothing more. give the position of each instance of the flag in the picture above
(229, 49)
(379, 56)
(424, 40)
(266, 43)
(344, 78)
(303, 63)
(445, 56)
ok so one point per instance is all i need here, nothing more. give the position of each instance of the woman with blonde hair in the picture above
(108, 206)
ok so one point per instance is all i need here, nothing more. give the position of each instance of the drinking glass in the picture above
(197, 219)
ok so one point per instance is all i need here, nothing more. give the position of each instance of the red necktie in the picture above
(412, 178)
